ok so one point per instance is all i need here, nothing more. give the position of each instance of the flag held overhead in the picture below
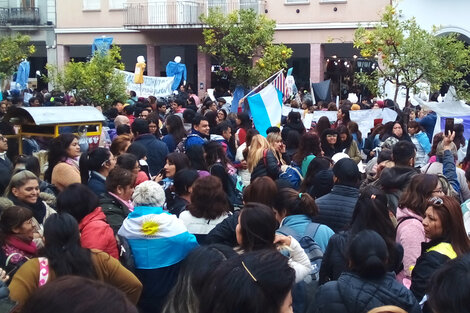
(266, 108)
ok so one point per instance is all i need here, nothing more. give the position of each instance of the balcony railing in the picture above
(181, 13)
(19, 16)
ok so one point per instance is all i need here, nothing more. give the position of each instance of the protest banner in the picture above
(152, 86)
(364, 118)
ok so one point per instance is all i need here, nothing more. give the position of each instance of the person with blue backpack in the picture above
(294, 211)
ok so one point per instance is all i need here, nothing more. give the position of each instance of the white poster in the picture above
(152, 86)
(364, 118)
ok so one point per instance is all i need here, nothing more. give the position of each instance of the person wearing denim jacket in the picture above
(421, 142)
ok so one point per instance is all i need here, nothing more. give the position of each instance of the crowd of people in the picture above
(185, 207)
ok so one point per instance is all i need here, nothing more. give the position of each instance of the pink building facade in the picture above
(161, 29)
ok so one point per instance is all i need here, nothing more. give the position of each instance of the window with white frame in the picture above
(91, 5)
(333, 1)
(296, 1)
(116, 4)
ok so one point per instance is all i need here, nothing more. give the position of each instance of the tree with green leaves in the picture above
(408, 55)
(13, 49)
(95, 81)
(242, 43)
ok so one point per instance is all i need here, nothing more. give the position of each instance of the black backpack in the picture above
(126, 257)
(303, 291)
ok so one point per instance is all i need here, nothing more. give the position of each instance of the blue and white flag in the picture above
(157, 238)
(266, 108)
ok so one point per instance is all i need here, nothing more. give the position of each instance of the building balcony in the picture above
(180, 13)
(19, 16)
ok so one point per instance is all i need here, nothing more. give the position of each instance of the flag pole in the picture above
(275, 74)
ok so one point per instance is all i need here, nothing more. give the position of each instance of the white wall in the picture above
(450, 15)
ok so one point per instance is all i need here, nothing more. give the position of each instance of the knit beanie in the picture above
(346, 171)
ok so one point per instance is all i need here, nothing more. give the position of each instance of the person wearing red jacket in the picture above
(82, 203)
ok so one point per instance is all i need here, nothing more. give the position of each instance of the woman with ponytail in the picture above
(95, 166)
(294, 212)
(367, 284)
(63, 255)
(371, 212)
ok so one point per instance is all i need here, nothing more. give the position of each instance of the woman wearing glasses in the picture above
(443, 226)
(330, 143)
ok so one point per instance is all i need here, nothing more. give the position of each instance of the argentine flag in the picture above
(266, 108)
(157, 238)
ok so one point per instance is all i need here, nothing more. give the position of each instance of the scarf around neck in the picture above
(30, 248)
(38, 208)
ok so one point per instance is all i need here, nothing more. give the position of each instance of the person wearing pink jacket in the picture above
(410, 214)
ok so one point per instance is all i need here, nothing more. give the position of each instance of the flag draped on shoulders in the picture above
(266, 108)
(157, 238)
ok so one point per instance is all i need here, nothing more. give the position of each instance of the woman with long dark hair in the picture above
(348, 144)
(342, 117)
(244, 123)
(174, 162)
(353, 128)
(309, 148)
(176, 132)
(63, 255)
(330, 143)
(63, 169)
(410, 214)
(395, 129)
(371, 212)
(322, 124)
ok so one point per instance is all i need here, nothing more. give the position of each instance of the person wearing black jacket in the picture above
(157, 150)
(367, 285)
(336, 208)
(371, 212)
(330, 143)
(294, 122)
(6, 167)
(261, 160)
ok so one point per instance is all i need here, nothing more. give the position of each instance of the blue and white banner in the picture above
(152, 86)
(266, 108)
(157, 238)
